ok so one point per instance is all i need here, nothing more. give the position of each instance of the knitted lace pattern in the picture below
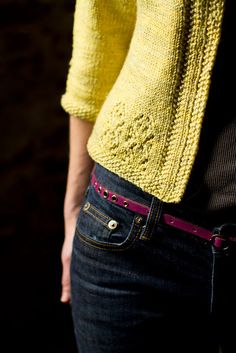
(141, 70)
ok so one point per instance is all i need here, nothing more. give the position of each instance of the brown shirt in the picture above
(212, 188)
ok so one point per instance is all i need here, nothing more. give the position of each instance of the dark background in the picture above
(35, 48)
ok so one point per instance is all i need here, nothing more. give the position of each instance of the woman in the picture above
(149, 251)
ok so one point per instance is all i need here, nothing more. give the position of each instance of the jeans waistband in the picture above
(121, 186)
(125, 194)
(128, 190)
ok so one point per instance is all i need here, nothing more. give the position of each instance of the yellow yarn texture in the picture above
(141, 70)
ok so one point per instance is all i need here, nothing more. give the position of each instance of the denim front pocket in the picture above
(106, 225)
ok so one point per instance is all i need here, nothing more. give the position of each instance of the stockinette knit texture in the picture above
(141, 70)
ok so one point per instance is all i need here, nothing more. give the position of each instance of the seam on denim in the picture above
(212, 281)
(144, 235)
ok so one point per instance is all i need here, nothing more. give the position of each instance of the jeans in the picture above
(138, 285)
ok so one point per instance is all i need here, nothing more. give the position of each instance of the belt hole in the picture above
(125, 203)
(105, 194)
(114, 198)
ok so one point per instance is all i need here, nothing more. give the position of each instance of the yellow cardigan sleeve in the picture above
(102, 31)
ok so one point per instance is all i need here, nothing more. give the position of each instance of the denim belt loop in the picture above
(152, 219)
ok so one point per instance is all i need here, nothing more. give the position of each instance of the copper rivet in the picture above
(99, 189)
(105, 194)
(114, 198)
(86, 206)
(126, 204)
(112, 224)
(138, 219)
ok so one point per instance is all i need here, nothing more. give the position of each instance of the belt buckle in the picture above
(223, 235)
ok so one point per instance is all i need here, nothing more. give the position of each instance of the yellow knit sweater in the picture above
(141, 70)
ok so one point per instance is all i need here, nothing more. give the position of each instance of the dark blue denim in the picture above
(144, 286)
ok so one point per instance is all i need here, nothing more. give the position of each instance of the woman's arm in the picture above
(80, 166)
(102, 32)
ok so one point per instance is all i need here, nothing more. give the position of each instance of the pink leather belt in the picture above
(217, 240)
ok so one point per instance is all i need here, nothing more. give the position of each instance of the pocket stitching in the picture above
(99, 213)
(112, 246)
(94, 216)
